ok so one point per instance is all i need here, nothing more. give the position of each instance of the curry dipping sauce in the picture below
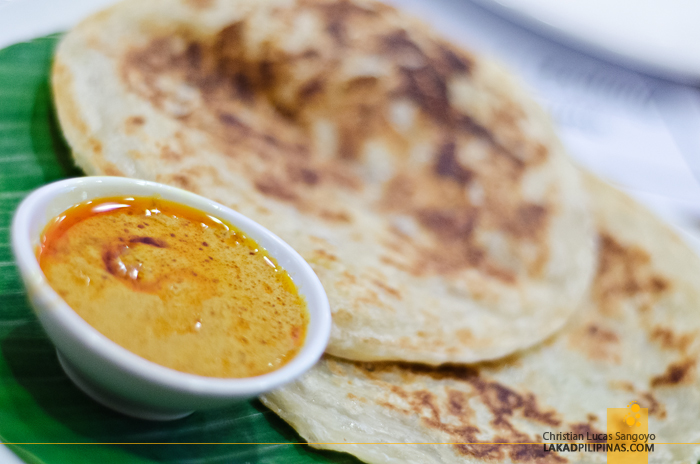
(175, 286)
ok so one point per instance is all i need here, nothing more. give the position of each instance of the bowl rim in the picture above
(318, 330)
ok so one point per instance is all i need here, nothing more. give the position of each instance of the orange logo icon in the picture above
(629, 440)
(632, 419)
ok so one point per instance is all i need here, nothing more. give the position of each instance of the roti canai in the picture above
(638, 339)
(427, 191)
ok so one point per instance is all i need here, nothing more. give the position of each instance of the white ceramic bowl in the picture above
(117, 377)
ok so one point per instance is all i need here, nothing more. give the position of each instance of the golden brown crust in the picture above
(435, 183)
(287, 167)
(613, 352)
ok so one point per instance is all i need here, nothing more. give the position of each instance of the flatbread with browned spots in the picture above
(427, 191)
(638, 339)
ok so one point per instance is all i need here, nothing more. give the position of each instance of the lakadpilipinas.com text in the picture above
(598, 442)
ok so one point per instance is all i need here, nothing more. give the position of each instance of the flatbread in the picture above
(427, 191)
(637, 339)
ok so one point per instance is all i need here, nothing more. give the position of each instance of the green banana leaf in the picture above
(43, 416)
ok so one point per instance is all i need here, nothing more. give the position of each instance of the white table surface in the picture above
(639, 132)
(658, 36)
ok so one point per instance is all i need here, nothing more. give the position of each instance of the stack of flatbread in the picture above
(483, 289)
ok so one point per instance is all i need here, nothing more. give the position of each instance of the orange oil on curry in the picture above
(174, 285)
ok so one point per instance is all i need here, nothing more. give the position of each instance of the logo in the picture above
(634, 415)
(627, 440)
